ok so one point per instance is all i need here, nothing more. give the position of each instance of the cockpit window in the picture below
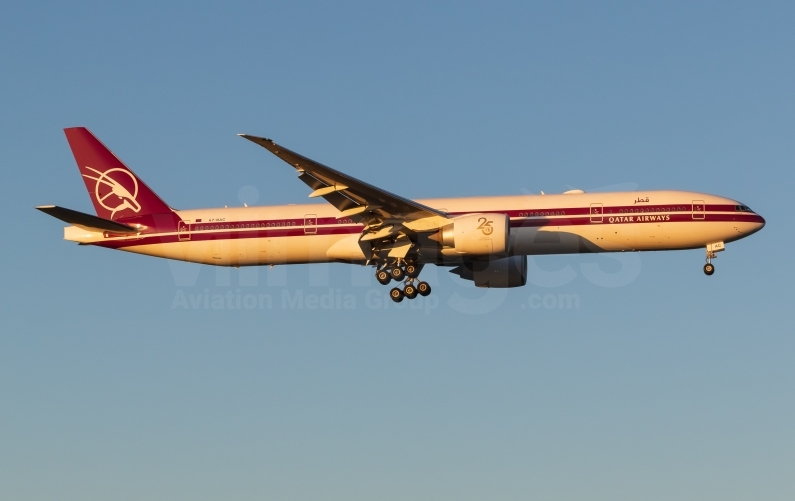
(742, 208)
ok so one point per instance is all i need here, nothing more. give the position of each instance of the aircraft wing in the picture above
(86, 220)
(356, 199)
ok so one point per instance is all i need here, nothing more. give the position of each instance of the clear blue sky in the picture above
(657, 383)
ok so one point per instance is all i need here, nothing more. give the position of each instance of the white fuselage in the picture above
(540, 224)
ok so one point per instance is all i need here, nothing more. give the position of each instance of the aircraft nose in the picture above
(760, 223)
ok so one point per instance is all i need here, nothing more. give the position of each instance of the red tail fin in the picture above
(114, 189)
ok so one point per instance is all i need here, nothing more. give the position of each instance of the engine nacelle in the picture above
(476, 234)
(495, 274)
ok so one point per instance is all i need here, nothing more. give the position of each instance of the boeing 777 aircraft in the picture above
(483, 239)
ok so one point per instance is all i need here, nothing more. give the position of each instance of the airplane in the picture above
(485, 240)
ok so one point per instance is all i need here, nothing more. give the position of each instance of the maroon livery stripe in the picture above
(163, 229)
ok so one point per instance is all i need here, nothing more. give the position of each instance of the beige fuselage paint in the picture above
(603, 231)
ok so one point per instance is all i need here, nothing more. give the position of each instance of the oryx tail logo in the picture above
(485, 226)
(111, 193)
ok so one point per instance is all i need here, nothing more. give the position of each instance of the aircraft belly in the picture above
(619, 237)
(280, 250)
(606, 237)
(180, 251)
(244, 252)
(687, 235)
(548, 240)
(295, 249)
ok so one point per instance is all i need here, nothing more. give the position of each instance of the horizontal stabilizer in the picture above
(86, 220)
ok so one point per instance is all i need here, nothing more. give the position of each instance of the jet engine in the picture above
(500, 273)
(476, 234)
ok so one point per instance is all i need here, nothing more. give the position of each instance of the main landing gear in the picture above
(408, 275)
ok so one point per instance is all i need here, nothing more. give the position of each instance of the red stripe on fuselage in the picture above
(329, 226)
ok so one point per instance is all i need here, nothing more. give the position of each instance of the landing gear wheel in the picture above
(396, 295)
(410, 291)
(709, 269)
(423, 288)
(412, 270)
(397, 274)
(383, 277)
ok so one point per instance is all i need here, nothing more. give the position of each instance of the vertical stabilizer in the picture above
(115, 190)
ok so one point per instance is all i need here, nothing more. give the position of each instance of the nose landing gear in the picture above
(712, 253)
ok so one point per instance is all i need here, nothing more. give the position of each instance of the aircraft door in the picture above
(183, 230)
(310, 224)
(699, 209)
(597, 213)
